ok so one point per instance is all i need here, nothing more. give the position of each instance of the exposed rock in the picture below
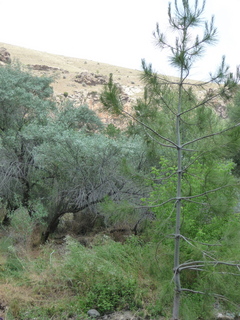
(5, 55)
(220, 316)
(92, 100)
(93, 313)
(128, 315)
(3, 307)
(227, 316)
(90, 79)
(132, 90)
(93, 95)
(43, 67)
(221, 110)
(122, 315)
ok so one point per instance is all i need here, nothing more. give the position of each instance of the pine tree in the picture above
(193, 135)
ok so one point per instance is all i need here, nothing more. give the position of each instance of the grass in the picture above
(65, 281)
(58, 282)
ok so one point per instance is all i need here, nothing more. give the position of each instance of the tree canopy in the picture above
(60, 156)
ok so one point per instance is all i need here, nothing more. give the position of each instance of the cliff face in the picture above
(82, 80)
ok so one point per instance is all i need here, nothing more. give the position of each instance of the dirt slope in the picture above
(82, 80)
(69, 67)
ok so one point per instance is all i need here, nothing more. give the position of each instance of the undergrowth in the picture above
(65, 281)
(69, 280)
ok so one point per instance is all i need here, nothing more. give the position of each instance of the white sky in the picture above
(117, 32)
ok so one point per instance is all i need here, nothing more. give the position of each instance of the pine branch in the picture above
(219, 296)
(164, 145)
(158, 205)
(189, 197)
(204, 102)
(204, 252)
(167, 106)
(207, 192)
(204, 244)
(211, 135)
(201, 203)
(152, 130)
(200, 264)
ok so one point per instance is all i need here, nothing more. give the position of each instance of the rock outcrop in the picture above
(5, 56)
(90, 79)
(43, 67)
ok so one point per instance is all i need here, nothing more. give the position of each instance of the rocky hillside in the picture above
(80, 80)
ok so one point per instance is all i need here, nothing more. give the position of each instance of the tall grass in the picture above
(59, 282)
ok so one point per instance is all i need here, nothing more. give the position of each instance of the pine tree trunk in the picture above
(177, 282)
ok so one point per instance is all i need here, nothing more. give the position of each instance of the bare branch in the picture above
(197, 264)
(161, 144)
(158, 205)
(201, 203)
(204, 252)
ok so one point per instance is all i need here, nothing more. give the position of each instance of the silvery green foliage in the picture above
(70, 117)
(83, 170)
(57, 158)
(24, 99)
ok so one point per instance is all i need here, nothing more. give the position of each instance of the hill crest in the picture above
(82, 80)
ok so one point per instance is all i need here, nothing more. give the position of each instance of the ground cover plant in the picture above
(68, 281)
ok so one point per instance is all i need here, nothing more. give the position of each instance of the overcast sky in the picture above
(117, 32)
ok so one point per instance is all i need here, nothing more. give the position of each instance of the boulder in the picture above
(43, 67)
(91, 79)
(93, 313)
(227, 316)
(5, 55)
(123, 315)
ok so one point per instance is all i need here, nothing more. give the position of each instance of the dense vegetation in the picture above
(193, 166)
(56, 159)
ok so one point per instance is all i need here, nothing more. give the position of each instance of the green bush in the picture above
(112, 294)
(21, 222)
(103, 282)
(206, 217)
